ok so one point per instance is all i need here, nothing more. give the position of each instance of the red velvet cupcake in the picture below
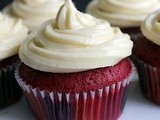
(146, 52)
(12, 32)
(75, 67)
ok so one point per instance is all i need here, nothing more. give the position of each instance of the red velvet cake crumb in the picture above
(75, 82)
(146, 51)
(9, 61)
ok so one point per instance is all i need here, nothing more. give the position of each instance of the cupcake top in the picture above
(12, 32)
(151, 27)
(33, 12)
(74, 42)
(123, 13)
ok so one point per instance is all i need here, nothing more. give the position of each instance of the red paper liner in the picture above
(149, 77)
(102, 104)
(10, 91)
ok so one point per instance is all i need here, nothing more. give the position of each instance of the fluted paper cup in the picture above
(149, 77)
(10, 91)
(102, 104)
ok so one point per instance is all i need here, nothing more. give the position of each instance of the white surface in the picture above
(137, 108)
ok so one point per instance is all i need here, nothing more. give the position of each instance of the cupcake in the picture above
(33, 12)
(146, 52)
(75, 67)
(126, 14)
(12, 32)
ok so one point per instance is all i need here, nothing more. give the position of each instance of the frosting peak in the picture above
(70, 18)
(151, 27)
(74, 42)
(78, 28)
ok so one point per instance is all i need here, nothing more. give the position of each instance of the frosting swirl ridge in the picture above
(151, 27)
(34, 12)
(12, 32)
(74, 42)
(34, 2)
(123, 13)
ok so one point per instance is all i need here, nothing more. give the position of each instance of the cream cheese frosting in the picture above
(74, 42)
(123, 13)
(12, 32)
(33, 12)
(151, 27)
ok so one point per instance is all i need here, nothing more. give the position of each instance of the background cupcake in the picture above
(127, 14)
(73, 69)
(12, 32)
(33, 12)
(147, 56)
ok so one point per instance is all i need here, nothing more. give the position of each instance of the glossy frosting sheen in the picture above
(12, 32)
(34, 12)
(123, 13)
(151, 27)
(74, 42)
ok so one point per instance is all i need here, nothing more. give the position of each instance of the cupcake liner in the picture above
(10, 91)
(101, 104)
(149, 77)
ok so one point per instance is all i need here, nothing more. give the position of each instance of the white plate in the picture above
(137, 108)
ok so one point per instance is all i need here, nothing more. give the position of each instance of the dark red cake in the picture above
(132, 31)
(146, 50)
(9, 61)
(76, 82)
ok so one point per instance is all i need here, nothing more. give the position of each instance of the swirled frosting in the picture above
(34, 12)
(151, 27)
(12, 32)
(74, 42)
(123, 13)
